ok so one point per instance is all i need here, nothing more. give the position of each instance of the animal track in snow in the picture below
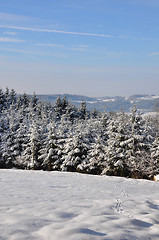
(118, 206)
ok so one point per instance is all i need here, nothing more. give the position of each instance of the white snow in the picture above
(107, 100)
(70, 206)
(148, 97)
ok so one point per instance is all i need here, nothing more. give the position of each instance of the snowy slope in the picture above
(70, 206)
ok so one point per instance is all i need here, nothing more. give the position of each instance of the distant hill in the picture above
(144, 103)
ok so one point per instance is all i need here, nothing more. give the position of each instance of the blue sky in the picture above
(87, 47)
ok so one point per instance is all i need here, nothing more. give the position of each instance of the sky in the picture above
(88, 47)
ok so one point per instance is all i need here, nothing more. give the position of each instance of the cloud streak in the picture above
(154, 54)
(10, 33)
(10, 40)
(55, 31)
(50, 45)
(80, 48)
(15, 18)
(32, 52)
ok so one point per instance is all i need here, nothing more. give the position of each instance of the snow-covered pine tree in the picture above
(138, 147)
(50, 150)
(21, 140)
(83, 110)
(2, 100)
(25, 100)
(58, 108)
(7, 94)
(34, 101)
(9, 146)
(75, 149)
(115, 163)
(155, 156)
(96, 156)
(31, 153)
(12, 97)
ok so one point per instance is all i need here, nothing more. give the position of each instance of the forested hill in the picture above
(60, 136)
(144, 103)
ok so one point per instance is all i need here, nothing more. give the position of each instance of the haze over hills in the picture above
(143, 102)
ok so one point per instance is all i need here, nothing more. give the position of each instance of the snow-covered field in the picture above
(70, 206)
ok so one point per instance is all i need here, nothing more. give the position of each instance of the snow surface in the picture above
(70, 206)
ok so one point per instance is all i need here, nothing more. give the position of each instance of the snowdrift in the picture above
(41, 205)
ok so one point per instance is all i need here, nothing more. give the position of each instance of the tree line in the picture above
(61, 137)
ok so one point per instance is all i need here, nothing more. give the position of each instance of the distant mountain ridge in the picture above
(143, 102)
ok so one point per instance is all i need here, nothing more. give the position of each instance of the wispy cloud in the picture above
(50, 45)
(10, 33)
(80, 48)
(7, 17)
(55, 31)
(34, 29)
(154, 54)
(29, 52)
(10, 40)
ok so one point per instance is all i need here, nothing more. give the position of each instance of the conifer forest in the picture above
(61, 137)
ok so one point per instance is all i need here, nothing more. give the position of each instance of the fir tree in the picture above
(155, 156)
(50, 152)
